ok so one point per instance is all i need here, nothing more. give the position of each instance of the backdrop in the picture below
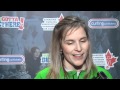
(22, 32)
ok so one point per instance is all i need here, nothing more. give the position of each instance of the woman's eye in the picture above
(69, 43)
(83, 40)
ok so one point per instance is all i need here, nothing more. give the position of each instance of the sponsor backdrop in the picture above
(25, 38)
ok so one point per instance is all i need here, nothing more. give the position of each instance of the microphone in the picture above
(101, 75)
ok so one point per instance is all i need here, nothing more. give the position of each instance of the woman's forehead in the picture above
(72, 31)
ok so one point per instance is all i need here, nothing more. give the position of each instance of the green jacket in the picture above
(73, 74)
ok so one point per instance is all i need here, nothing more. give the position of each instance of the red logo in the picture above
(61, 17)
(111, 59)
(21, 27)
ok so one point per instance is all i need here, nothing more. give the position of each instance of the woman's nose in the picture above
(78, 47)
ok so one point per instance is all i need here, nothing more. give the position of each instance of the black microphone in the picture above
(101, 75)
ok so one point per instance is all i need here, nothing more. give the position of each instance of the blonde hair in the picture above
(59, 33)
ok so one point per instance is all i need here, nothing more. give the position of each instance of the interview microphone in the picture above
(101, 75)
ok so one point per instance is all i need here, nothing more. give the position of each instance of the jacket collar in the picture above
(72, 74)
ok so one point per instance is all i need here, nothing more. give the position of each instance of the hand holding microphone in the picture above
(101, 75)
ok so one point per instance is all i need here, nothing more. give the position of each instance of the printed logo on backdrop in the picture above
(12, 22)
(49, 23)
(11, 59)
(103, 23)
(45, 58)
(105, 59)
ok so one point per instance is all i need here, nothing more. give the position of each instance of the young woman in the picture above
(70, 54)
(33, 61)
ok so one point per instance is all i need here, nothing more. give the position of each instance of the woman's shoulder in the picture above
(104, 71)
(42, 73)
(99, 68)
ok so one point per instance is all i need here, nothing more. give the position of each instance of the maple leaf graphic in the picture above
(61, 17)
(111, 60)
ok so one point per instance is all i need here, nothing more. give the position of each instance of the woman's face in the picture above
(37, 53)
(75, 48)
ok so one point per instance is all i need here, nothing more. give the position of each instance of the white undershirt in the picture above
(78, 72)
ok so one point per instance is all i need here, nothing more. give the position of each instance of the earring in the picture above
(61, 51)
(62, 55)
